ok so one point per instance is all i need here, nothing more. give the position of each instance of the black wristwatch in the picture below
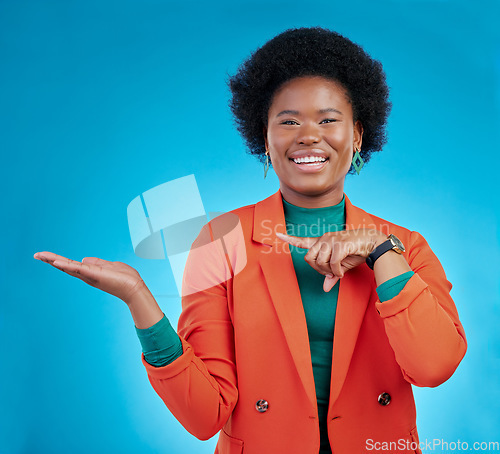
(392, 243)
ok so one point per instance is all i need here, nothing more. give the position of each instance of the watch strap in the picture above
(378, 251)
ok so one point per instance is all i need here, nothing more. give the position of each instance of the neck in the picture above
(314, 200)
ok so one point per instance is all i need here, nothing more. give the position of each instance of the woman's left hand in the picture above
(334, 253)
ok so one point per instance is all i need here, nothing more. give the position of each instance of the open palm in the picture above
(115, 278)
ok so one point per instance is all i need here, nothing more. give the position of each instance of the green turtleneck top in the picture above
(161, 344)
(319, 306)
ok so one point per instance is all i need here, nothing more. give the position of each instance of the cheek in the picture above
(343, 142)
(278, 145)
(277, 161)
(278, 142)
(343, 138)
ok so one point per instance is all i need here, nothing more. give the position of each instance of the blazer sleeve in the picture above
(422, 322)
(200, 387)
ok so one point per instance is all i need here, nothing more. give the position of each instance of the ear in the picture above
(264, 131)
(358, 135)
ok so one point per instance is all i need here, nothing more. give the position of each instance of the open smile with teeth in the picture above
(309, 160)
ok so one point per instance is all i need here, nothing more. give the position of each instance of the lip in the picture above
(309, 168)
(315, 152)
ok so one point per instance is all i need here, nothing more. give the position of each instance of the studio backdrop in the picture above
(102, 103)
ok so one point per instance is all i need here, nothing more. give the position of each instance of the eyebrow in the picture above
(296, 112)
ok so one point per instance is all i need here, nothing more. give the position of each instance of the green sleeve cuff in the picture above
(391, 288)
(161, 345)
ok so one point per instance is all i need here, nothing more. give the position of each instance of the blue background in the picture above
(102, 100)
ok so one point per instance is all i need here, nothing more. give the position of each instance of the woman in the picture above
(305, 319)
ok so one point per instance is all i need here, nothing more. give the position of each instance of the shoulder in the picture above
(243, 215)
(387, 226)
(233, 226)
(411, 239)
(246, 214)
(418, 252)
(359, 218)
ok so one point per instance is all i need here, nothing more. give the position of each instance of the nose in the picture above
(308, 134)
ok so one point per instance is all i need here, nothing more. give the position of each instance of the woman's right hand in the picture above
(116, 278)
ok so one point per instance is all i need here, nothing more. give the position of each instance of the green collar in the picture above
(320, 220)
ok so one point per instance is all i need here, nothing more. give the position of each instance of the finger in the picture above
(323, 258)
(312, 258)
(88, 273)
(92, 260)
(77, 275)
(66, 265)
(63, 263)
(339, 253)
(107, 265)
(330, 282)
(304, 243)
(319, 255)
(48, 257)
(97, 261)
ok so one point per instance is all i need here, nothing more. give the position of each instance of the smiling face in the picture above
(311, 138)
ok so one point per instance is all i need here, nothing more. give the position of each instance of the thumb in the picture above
(92, 260)
(330, 282)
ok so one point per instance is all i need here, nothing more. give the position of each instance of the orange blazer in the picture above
(246, 367)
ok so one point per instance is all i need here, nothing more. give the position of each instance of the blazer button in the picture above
(261, 405)
(384, 399)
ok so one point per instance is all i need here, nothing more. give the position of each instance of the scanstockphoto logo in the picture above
(433, 445)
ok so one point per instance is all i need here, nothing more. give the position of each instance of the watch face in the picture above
(398, 245)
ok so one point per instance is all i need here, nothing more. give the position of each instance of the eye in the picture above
(289, 122)
(328, 120)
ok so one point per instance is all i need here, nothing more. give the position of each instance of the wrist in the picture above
(389, 266)
(144, 309)
(138, 293)
(391, 243)
(377, 239)
(364, 241)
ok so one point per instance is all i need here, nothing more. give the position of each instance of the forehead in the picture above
(310, 91)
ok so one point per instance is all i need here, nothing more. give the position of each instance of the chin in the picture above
(312, 191)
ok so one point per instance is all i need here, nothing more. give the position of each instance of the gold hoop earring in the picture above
(266, 164)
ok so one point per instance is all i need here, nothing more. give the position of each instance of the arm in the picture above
(160, 343)
(391, 288)
(199, 387)
(422, 322)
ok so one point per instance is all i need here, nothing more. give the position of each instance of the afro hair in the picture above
(310, 52)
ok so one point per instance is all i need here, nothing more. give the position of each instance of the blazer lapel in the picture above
(354, 294)
(279, 273)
